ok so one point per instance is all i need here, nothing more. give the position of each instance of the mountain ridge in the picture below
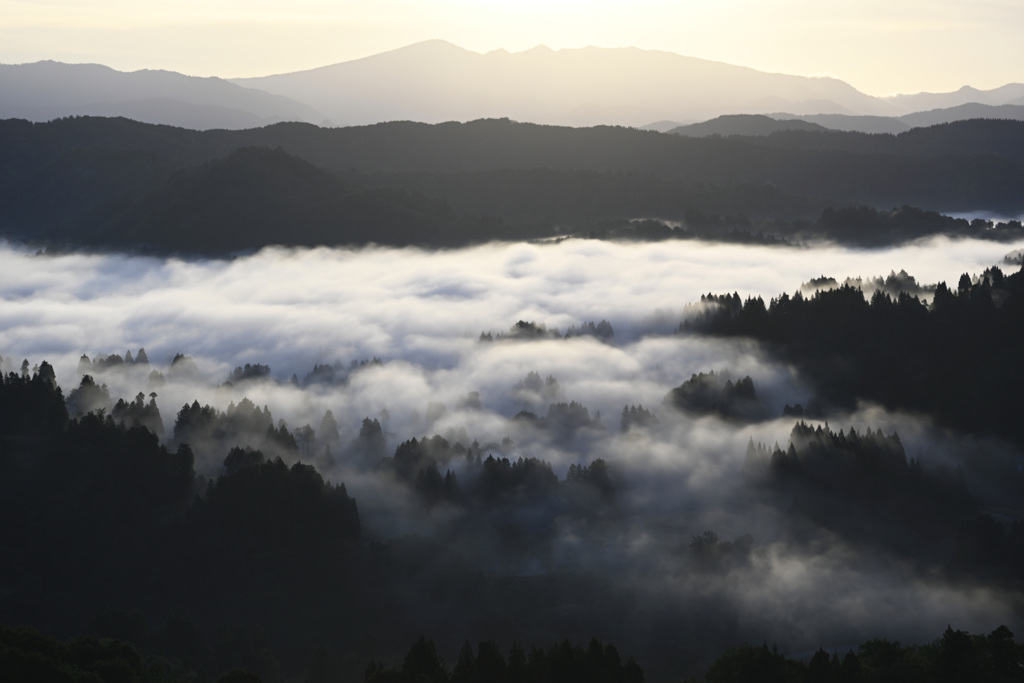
(41, 91)
(465, 85)
(435, 81)
(128, 184)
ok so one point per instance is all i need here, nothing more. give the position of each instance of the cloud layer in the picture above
(422, 314)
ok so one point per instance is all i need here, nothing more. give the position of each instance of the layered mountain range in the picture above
(436, 81)
(111, 182)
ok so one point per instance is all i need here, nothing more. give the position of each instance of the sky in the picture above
(878, 46)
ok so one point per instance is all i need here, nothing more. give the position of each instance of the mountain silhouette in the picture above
(436, 81)
(1011, 93)
(47, 90)
(115, 182)
(258, 196)
(744, 124)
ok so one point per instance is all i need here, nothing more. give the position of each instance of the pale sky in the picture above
(879, 46)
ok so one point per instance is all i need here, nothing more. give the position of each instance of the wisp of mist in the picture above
(421, 313)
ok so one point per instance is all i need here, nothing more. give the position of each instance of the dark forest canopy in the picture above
(955, 656)
(113, 529)
(525, 330)
(954, 358)
(253, 568)
(118, 183)
(596, 662)
(862, 486)
(710, 393)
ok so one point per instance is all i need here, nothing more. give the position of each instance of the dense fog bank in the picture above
(291, 309)
(613, 454)
(421, 313)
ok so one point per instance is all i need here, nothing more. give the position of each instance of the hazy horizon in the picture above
(437, 81)
(796, 37)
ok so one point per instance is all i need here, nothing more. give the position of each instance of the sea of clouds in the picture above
(421, 313)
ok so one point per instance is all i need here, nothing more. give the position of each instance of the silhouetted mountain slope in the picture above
(258, 196)
(972, 110)
(436, 81)
(787, 174)
(926, 101)
(961, 139)
(569, 196)
(665, 125)
(75, 190)
(487, 144)
(847, 122)
(46, 90)
(114, 181)
(744, 124)
(747, 124)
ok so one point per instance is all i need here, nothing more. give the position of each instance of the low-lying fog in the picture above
(291, 309)
(422, 313)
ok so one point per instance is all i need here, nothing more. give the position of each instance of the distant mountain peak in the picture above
(433, 45)
(435, 80)
(745, 124)
(45, 90)
(53, 64)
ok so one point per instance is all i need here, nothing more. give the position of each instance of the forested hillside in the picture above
(114, 182)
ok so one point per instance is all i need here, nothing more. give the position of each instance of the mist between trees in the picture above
(277, 468)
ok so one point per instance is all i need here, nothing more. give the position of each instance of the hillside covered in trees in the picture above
(120, 184)
(542, 460)
(952, 357)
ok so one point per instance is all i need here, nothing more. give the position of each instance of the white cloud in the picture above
(422, 314)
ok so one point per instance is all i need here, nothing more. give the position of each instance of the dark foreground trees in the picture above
(27, 655)
(957, 656)
(955, 357)
(100, 517)
(560, 663)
